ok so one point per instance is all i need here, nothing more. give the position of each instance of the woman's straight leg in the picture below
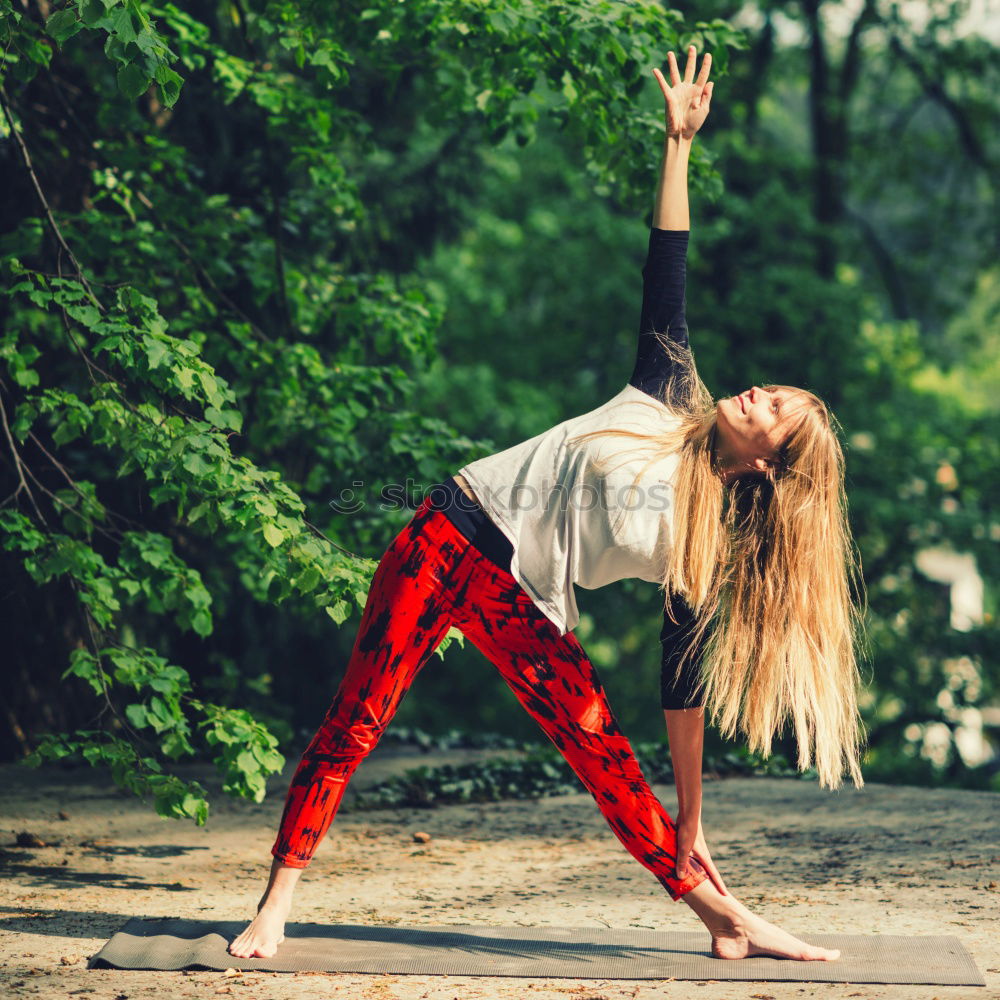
(406, 615)
(554, 680)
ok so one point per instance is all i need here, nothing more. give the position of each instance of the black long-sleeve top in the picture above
(664, 279)
(663, 305)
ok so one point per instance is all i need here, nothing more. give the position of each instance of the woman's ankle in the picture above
(275, 902)
(282, 880)
(712, 907)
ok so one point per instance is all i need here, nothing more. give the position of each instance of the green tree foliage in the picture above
(211, 316)
(255, 254)
(915, 389)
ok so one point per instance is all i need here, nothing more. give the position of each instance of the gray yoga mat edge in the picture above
(532, 952)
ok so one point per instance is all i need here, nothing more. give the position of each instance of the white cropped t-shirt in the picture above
(574, 512)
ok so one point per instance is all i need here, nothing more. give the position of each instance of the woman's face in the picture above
(752, 426)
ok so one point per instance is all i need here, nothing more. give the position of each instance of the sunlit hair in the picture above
(768, 566)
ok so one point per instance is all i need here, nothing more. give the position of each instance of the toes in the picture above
(821, 955)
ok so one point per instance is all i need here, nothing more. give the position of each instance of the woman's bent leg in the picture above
(552, 677)
(555, 681)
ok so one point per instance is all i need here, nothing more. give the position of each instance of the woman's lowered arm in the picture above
(682, 699)
(686, 733)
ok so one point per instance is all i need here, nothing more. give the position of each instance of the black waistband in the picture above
(472, 521)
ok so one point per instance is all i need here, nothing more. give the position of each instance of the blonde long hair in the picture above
(768, 566)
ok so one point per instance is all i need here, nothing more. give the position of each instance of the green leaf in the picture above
(136, 714)
(616, 50)
(132, 81)
(91, 11)
(170, 84)
(26, 377)
(274, 534)
(146, 41)
(89, 316)
(568, 87)
(120, 21)
(196, 464)
(63, 24)
(156, 351)
(339, 611)
(201, 622)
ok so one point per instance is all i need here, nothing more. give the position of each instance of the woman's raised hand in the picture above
(688, 100)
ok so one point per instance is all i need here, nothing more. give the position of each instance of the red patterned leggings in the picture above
(429, 579)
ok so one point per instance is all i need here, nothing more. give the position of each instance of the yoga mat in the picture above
(538, 952)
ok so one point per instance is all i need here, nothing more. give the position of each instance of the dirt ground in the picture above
(886, 859)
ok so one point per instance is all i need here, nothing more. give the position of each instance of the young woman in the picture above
(736, 509)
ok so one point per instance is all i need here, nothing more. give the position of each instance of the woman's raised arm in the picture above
(663, 276)
(687, 105)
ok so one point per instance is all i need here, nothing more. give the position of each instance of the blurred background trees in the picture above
(270, 259)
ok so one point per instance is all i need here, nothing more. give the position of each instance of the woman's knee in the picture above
(350, 732)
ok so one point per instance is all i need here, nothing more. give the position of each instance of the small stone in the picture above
(63, 814)
(69, 959)
(421, 837)
(27, 839)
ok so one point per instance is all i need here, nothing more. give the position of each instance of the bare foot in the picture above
(265, 932)
(738, 933)
(753, 935)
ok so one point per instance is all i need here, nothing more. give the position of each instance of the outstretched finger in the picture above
(681, 862)
(662, 82)
(689, 66)
(716, 878)
(713, 873)
(706, 66)
(675, 76)
(668, 96)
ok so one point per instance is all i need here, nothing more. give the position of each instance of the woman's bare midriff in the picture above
(465, 487)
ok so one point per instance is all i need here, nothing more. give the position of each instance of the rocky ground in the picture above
(886, 859)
